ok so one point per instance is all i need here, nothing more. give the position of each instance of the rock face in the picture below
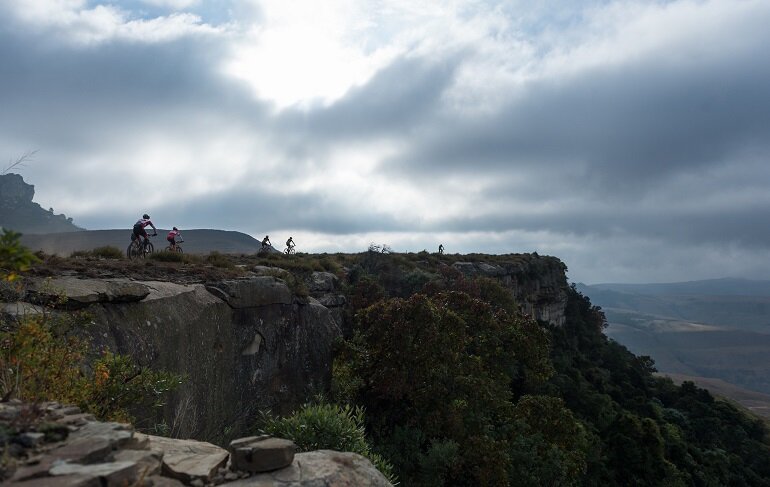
(538, 284)
(245, 345)
(242, 345)
(19, 213)
(325, 289)
(92, 453)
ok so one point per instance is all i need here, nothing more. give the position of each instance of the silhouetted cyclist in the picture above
(266, 242)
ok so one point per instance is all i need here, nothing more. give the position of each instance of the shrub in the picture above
(219, 260)
(107, 252)
(37, 365)
(14, 257)
(166, 256)
(326, 426)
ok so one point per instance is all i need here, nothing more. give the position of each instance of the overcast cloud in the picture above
(629, 138)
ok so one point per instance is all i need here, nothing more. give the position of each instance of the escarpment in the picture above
(244, 344)
(538, 284)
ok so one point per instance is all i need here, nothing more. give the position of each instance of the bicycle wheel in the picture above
(148, 249)
(132, 252)
(178, 249)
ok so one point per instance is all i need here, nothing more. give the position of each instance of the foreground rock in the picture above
(86, 453)
(261, 453)
(325, 468)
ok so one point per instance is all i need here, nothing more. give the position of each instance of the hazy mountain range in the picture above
(718, 328)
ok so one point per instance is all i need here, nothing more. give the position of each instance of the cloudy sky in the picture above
(629, 138)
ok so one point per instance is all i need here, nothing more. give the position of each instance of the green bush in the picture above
(166, 256)
(14, 257)
(327, 427)
(219, 260)
(108, 252)
(36, 364)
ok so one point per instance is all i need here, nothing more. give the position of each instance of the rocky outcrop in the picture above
(320, 468)
(242, 345)
(538, 284)
(325, 288)
(51, 445)
(19, 213)
(248, 344)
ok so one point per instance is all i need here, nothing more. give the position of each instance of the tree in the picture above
(434, 374)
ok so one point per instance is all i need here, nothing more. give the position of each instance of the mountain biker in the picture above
(440, 248)
(290, 244)
(172, 235)
(266, 242)
(139, 228)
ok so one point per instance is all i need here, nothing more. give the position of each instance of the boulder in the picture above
(188, 460)
(261, 453)
(320, 468)
(323, 282)
(20, 310)
(252, 292)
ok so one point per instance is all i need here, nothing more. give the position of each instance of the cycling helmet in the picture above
(175, 228)
(146, 216)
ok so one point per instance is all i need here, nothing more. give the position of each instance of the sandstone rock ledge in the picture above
(52, 445)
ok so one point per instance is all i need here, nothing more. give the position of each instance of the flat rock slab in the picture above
(187, 460)
(109, 474)
(118, 435)
(320, 468)
(261, 453)
(76, 293)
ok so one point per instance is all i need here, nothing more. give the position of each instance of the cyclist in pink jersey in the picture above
(139, 227)
(172, 235)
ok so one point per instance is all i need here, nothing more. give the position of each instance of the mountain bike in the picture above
(177, 248)
(140, 247)
(289, 250)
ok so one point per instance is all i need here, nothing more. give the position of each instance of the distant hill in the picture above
(712, 287)
(196, 241)
(19, 213)
(717, 328)
(733, 303)
(755, 402)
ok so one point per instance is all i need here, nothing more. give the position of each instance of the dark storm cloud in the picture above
(59, 95)
(630, 127)
(257, 213)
